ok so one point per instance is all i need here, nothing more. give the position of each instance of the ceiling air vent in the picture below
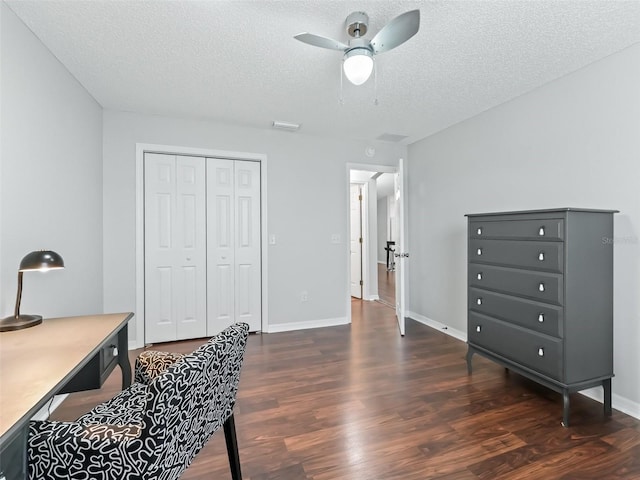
(289, 127)
(391, 137)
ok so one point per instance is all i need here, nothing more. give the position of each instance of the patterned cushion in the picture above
(150, 364)
(151, 430)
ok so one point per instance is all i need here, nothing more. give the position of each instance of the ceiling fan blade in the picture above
(396, 32)
(322, 42)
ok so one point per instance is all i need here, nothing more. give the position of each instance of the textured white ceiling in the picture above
(236, 60)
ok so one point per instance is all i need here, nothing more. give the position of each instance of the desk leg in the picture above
(123, 356)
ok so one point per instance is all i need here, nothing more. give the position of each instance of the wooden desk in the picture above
(58, 356)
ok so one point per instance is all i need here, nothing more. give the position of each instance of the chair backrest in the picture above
(192, 399)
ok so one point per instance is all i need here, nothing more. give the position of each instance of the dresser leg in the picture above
(606, 385)
(468, 357)
(565, 408)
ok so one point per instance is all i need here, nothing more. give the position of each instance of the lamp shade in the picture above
(41, 260)
(358, 65)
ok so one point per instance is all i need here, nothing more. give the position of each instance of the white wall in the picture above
(572, 143)
(51, 184)
(307, 202)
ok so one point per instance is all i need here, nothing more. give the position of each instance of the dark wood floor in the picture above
(360, 403)
(386, 285)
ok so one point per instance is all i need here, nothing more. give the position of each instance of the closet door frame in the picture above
(141, 149)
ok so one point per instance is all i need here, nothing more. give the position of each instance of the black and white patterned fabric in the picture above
(152, 363)
(154, 428)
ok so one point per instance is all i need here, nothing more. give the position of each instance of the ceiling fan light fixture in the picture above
(358, 65)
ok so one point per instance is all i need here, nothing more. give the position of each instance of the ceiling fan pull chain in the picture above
(341, 92)
(375, 82)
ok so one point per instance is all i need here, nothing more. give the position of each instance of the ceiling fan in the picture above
(359, 52)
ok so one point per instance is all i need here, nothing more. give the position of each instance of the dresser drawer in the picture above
(547, 256)
(545, 229)
(540, 317)
(530, 349)
(541, 286)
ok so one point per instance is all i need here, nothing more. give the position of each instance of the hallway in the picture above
(386, 285)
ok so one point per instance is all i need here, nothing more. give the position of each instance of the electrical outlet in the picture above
(272, 239)
(335, 238)
(304, 296)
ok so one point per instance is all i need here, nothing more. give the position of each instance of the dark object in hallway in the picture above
(390, 260)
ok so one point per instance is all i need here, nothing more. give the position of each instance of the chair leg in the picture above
(232, 448)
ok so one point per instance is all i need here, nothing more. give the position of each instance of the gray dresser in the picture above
(540, 296)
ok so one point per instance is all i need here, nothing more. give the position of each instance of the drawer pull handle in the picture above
(541, 352)
(478, 328)
(479, 301)
(541, 317)
(479, 275)
(479, 252)
(541, 287)
(479, 231)
(541, 256)
(541, 231)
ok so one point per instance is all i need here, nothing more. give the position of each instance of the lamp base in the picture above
(8, 324)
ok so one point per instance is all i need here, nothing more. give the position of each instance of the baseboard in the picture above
(326, 322)
(372, 298)
(462, 336)
(618, 402)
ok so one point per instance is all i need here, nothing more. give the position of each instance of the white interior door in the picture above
(356, 240)
(175, 247)
(233, 244)
(248, 286)
(220, 245)
(400, 254)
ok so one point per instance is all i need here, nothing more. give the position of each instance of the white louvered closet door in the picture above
(233, 244)
(175, 247)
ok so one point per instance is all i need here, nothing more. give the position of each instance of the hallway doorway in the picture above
(380, 228)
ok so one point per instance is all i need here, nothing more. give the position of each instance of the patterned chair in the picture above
(154, 428)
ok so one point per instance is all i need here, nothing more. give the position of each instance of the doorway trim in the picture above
(367, 168)
(141, 149)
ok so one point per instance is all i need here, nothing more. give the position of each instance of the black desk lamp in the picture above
(42, 260)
